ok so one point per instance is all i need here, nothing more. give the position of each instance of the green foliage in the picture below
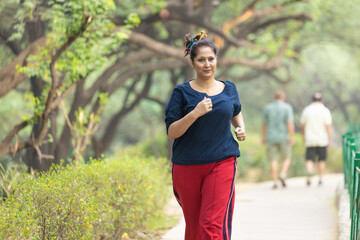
(333, 23)
(87, 54)
(13, 108)
(84, 127)
(8, 177)
(35, 105)
(54, 205)
(105, 199)
(132, 196)
(66, 21)
(6, 55)
(22, 13)
(89, 51)
(140, 7)
(133, 20)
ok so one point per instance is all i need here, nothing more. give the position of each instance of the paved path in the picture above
(294, 213)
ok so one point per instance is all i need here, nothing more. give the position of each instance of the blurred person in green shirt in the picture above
(278, 135)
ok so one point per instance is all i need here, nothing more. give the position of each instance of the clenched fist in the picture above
(203, 107)
(240, 134)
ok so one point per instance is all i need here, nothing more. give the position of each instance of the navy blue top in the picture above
(209, 139)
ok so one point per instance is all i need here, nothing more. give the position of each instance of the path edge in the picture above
(342, 201)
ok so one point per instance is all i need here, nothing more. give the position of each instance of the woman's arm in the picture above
(179, 127)
(239, 124)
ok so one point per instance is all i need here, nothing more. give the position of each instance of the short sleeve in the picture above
(173, 111)
(328, 118)
(235, 100)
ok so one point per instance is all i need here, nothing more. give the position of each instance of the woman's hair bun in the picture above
(190, 40)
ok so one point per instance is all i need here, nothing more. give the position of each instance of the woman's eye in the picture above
(211, 59)
(201, 60)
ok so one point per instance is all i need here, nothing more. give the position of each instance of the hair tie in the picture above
(192, 37)
(202, 35)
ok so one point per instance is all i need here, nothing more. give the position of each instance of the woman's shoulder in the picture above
(229, 85)
(226, 82)
(181, 89)
(183, 86)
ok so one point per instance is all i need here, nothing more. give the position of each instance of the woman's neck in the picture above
(207, 83)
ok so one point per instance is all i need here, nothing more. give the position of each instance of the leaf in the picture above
(133, 20)
(50, 138)
(121, 35)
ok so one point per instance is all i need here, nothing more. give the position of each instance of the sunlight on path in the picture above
(295, 213)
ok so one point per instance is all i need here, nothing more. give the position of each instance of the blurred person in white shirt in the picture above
(316, 131)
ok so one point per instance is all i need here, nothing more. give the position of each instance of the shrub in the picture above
(131, 197)
(8, 177)
(56, 205)
(101, 200)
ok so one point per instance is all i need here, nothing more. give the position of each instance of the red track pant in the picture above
(206, 194)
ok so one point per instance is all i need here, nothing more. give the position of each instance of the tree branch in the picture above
(9, 76)
(269, 65)
(166, 50)
(243, 78)
(179, 13)
(246, 14)
(160, 48)
(145, 68)
(156, 100)
(141, 55)
(278, 79)
(5, 144)
(300, 17)
(110, 130)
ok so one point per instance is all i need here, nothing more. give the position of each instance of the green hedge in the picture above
(107, 199)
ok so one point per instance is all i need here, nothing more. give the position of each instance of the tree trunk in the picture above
(31, 156)
(63, 146)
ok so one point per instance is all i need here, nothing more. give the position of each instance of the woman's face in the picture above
(205, 62)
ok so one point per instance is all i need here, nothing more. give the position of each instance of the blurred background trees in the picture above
(86, 78)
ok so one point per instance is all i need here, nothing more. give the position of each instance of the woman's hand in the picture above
(203, 107)
(179, 127)
(240, 134)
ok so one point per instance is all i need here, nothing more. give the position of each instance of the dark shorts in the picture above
(316, 152)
